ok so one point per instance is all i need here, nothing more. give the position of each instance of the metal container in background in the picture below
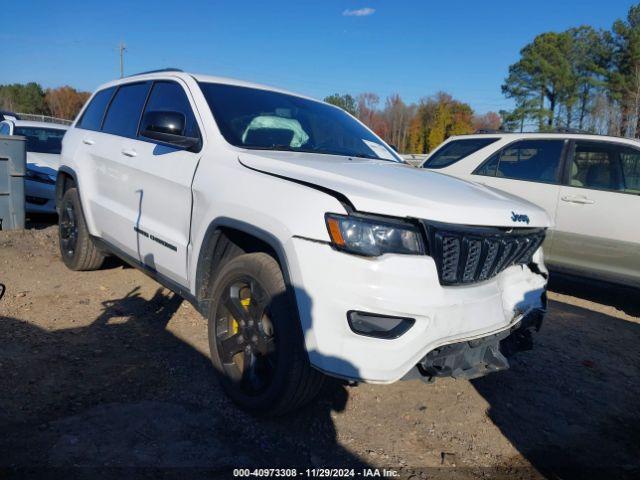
(13, 158)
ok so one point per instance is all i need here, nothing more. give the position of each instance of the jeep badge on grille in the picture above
(518, 217)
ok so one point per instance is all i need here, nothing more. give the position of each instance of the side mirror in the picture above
(395, 149)
(167, 127)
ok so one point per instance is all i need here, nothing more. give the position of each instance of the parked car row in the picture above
(43, 146)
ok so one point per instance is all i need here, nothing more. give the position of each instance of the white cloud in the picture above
(361, 12)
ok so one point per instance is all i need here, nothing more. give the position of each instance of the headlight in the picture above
(373, 237)
(40, 177)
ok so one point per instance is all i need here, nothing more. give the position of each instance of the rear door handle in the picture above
(576, 199)
(88, 141)
(129, 153)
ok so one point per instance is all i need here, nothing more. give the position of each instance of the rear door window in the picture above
(94, 113)
(456, 150)
(126, 107)
(605, 166)
(530, 160)
(630, 163)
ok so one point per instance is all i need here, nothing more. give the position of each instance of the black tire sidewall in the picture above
(72, 198)
(283, 315)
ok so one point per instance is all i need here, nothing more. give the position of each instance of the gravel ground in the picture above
(104, 372)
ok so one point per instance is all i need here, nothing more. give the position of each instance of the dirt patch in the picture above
(107, 369)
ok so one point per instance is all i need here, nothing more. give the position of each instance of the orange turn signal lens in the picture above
(334, 231)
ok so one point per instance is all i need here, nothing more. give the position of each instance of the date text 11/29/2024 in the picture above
(315, 473)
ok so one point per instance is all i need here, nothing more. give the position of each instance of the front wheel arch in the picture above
(224, 240)
(65, 180)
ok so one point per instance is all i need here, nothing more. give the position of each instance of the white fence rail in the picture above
(43, 118)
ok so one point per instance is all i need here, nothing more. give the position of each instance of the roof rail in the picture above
(570, 130)
(558, 130)
(160, 70)
(488, 130)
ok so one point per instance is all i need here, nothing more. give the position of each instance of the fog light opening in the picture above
(378, 326)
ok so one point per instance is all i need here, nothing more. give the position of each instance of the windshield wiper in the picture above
(286, 148)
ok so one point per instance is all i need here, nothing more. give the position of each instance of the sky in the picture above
(314, 47)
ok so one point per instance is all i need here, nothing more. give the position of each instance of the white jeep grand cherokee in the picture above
(307, 243)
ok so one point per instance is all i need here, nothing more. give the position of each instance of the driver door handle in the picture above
(88, 141)
(129, 153)
(578, 199)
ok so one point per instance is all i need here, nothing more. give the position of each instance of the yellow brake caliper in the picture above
(245, 302)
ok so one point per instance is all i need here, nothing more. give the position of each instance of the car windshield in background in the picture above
(456, 150)
(41, 140)
(267, 120)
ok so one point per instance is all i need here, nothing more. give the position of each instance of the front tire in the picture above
(77, 249)
(255, 338)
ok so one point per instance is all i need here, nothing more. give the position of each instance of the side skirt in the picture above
(150, 272)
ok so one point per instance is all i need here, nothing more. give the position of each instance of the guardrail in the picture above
(43, 118)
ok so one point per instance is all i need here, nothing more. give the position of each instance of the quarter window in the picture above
(456, 150)
(170, 97)
(124, 112)
(93, 114)
(530, 160)
(4, 129)
(603, 166)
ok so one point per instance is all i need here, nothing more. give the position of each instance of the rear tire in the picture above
(77, 248)
(255, 338)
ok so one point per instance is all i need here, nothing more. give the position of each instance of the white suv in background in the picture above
(589, 184)
(43, 146)
(306, 242)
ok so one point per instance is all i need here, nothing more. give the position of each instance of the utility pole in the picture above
(122, 48)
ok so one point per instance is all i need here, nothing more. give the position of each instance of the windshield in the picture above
(41, 140)
(266, 120)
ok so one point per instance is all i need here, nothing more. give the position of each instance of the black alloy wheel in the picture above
(245, 335)
(68, 229)
(255, 337)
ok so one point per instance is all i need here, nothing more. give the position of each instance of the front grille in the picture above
(469, 254)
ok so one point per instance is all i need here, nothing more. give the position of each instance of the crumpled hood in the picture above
(47, 163)
(395, 189)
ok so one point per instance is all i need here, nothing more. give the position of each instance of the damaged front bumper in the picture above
(399, 286)
(481, 356)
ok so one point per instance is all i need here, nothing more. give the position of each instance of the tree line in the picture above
(581, 78)
(419, 127)
(62, 102)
